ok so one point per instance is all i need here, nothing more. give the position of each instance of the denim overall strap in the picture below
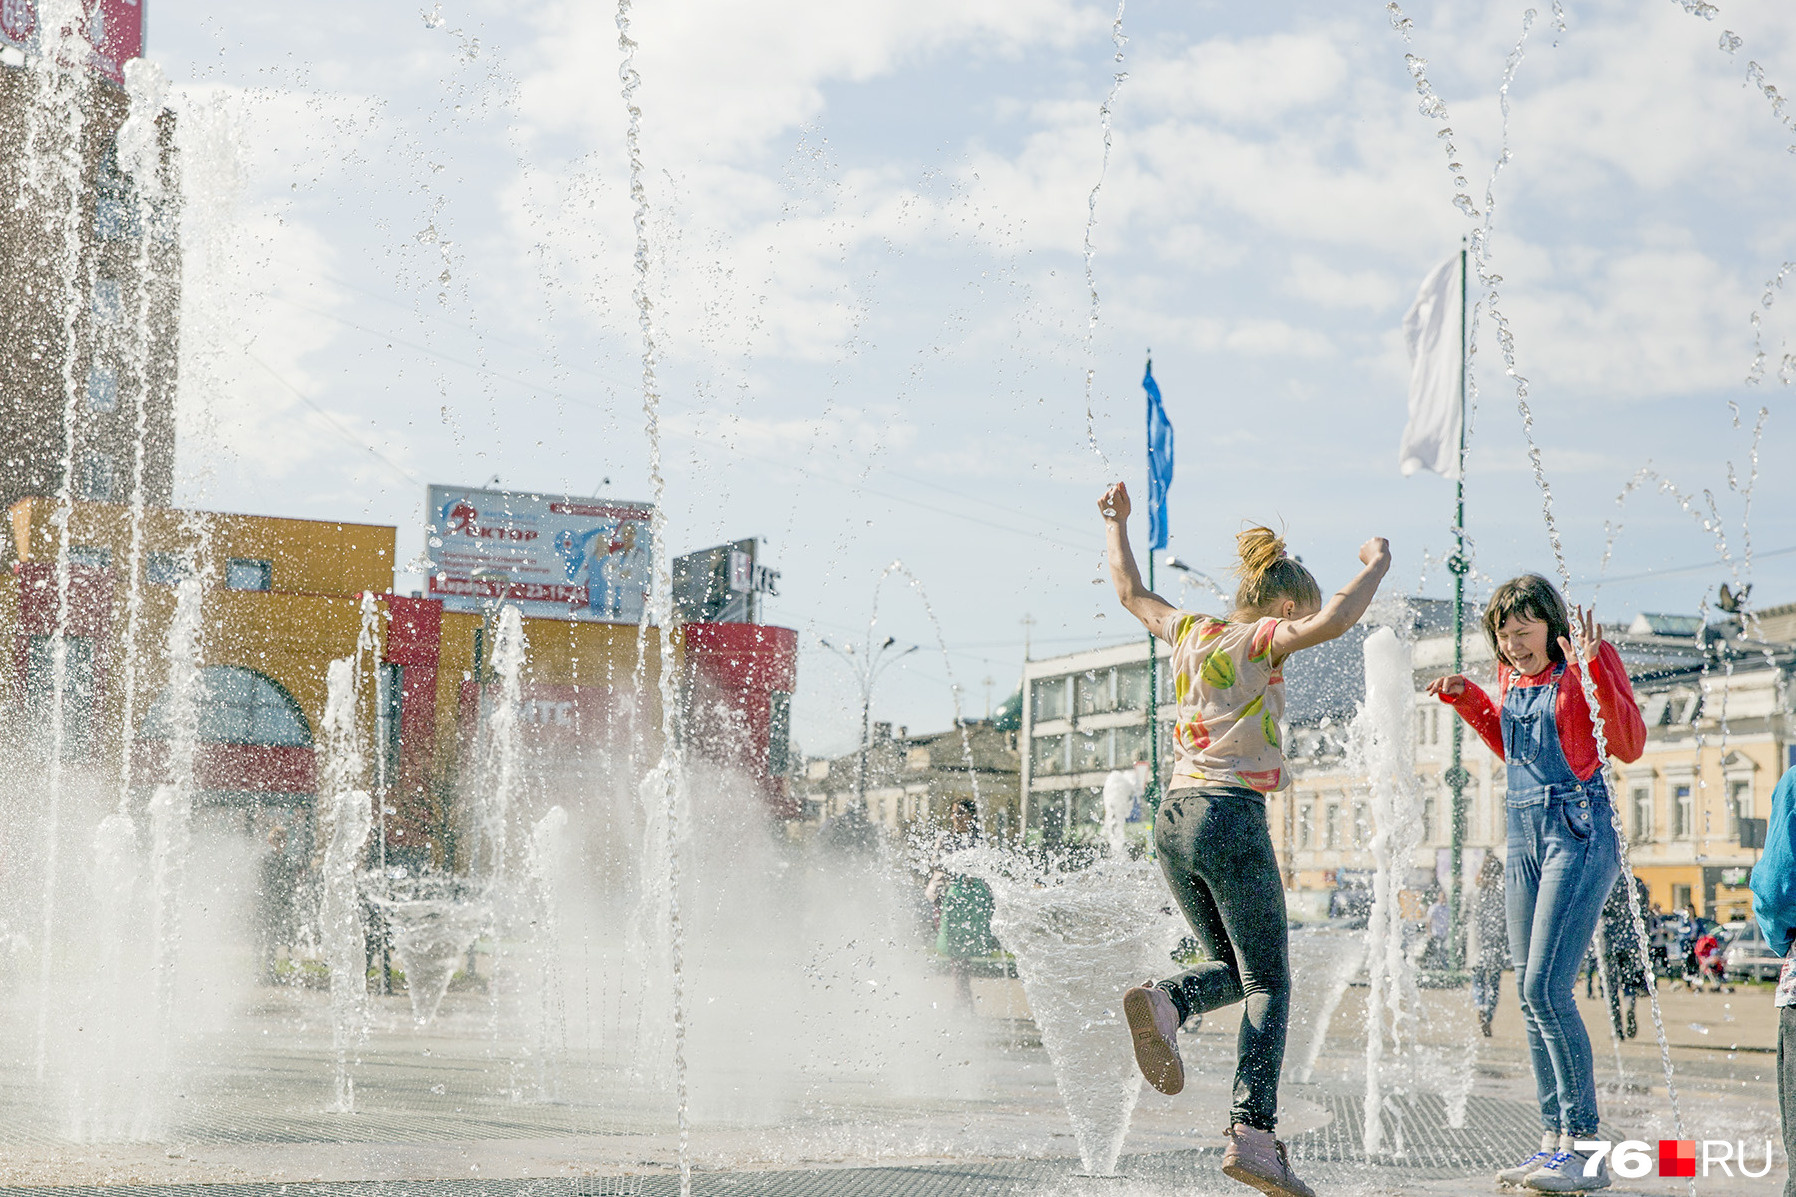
(1533, 756)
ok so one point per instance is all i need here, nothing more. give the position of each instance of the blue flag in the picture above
(1159, 461)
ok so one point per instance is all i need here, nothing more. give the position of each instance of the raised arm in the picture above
(1340, 612)
(1139, 601)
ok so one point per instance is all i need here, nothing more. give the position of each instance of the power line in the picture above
(357, 441)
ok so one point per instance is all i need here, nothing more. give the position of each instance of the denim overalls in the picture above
(1563, 860)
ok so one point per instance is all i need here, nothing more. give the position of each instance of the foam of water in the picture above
(55, 134)
(341, 930)
(1081, 938)
(1381, 735)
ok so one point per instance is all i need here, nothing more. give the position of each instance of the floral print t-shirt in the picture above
(1230, 699)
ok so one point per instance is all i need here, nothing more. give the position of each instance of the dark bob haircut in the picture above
(1533, 597)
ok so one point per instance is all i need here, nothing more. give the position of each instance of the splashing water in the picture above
(1080, 938)
(340, 907)
(1480, 243)
(54, 137)
(141, 161)
(662, 788)
(1380, 735)
(1105, 113)
(545, 875)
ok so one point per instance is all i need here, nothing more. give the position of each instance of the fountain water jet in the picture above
(1080, 938)
(1381, 737)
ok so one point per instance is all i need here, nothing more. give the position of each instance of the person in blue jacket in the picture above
(1774, 905)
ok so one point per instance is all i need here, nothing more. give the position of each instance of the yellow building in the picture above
(280, 599)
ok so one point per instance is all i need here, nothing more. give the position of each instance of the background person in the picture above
(1563, 853)
(1774, 906)
(964, 906)
(1490, 940)
(1623, 965)
(1211, 836)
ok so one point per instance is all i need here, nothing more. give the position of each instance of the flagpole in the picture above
(1153, 649)
(1456, 773)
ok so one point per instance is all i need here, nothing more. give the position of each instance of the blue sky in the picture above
(409, 261)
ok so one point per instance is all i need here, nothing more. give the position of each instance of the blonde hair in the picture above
(1268, 573)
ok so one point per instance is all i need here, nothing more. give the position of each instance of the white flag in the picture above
(1431, 330)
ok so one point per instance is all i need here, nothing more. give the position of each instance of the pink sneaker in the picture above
(1154, 1026)
(1255, 1158)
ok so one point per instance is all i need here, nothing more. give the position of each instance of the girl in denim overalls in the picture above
(1563, 854)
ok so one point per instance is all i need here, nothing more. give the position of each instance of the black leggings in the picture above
(1216, 852)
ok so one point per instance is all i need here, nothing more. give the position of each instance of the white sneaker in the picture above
(1154, 1027)
(1549, 1144)
(1565, 1172)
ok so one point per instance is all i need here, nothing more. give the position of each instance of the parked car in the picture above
(1748, 954)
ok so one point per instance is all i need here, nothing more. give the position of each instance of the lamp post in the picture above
(867, 665)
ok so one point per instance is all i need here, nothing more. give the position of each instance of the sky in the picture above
(409, 259)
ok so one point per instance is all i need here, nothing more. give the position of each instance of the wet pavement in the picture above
(454, 1111)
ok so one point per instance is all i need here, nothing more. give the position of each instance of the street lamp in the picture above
(1190, 575)
(867, 666)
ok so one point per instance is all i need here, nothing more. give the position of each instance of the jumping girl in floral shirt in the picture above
(1211, 836)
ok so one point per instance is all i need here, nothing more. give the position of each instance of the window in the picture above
(779, 732)
(1421, 727)
(1095, 692)
(1131, 745)
(1131, 687)
(1049, 754)
(90, 556)
(1091, 751)
(1047, 812)
(102, 387)
(389, 688)
(1306, 825)
(77, 690)
(234, 706)
(1739, 805)
(93, 481)
(164, 569)
(1680, 896)
(1642, 797)
(109, 302)
(1331, 825)
(1430, 812)
(1682, 820)
(1049, 699)
(243, 573)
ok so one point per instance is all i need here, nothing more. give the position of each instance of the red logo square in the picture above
(1677, 1157)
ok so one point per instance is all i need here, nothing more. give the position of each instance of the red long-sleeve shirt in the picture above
(1624, 731)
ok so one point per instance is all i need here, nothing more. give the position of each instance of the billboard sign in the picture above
(718, 584)
(114, 30)
(553, 556)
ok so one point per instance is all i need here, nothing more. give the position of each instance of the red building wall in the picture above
(733, 672)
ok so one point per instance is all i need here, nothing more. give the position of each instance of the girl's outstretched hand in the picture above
(1375, 551)
(1593, 634)
(1447, 687)
(1115, 503)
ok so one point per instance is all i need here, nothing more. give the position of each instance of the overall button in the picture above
(1583, 804)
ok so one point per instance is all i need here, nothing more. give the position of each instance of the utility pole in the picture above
(1460, 566)
(1028, 621)
(866, 667)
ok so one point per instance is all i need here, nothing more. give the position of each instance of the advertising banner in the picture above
(114, 30)
(553, 556)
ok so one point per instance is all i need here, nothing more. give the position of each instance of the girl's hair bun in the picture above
(1268, 573)
(1260, 549)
